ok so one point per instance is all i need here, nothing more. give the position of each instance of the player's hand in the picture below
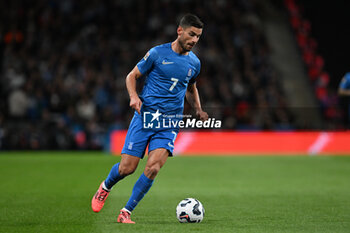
(203, 116)
(136, 103)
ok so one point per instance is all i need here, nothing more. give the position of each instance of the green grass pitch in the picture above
(51, 192)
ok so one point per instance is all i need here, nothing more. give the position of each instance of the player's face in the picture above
(188, 37)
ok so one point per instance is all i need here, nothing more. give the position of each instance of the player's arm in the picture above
(343, 92)
(344, 89)
(130, 81)
(192, 97)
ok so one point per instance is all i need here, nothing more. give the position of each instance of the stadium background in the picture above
(270, 72)
(63, 65)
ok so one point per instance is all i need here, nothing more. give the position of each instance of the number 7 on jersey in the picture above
(175, 80)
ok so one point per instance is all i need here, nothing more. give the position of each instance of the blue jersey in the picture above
(167, 77)
(345, 82)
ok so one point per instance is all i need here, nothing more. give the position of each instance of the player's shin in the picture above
(141, 187)
(113, 177)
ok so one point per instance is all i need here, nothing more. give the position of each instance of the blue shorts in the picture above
(138, 138)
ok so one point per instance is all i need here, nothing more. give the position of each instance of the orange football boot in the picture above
(124, 217)
(98, 200)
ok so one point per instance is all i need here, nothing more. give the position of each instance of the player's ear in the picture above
(180, 30)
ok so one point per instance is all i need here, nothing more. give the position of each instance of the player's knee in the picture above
(126, 170)
(152, 170)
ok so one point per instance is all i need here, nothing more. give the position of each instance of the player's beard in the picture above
(183, 46)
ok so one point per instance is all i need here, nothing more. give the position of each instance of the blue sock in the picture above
(141, 187)
(113, 177)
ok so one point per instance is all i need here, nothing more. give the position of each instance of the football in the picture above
(190, 210)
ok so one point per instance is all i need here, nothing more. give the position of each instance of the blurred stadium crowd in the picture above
(314, 64)
(63, 65)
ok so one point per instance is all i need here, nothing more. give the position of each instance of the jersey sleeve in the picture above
(147, 62)
(198, 70)
(345, 82)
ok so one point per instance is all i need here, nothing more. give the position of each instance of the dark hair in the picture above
(190, 20)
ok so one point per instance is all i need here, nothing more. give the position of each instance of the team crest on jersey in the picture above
(189, 72)
(146, 56)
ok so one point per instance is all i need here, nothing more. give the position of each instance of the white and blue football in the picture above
(190, 210)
